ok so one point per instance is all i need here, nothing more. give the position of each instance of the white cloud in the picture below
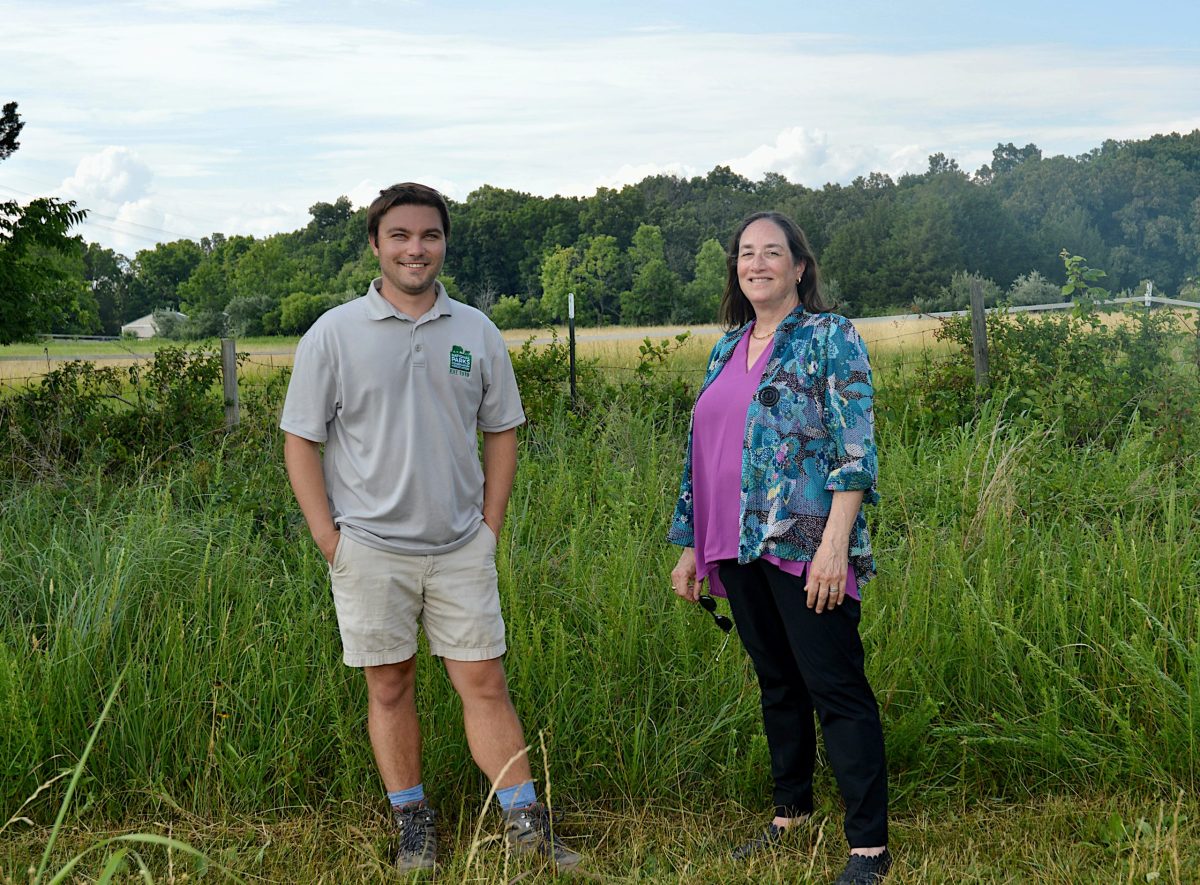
(811, 158)
(633, 173)
(364, 192)
(141, 213)
(114, 186)
(127, 227)
(114, 175)
(246, 125)
(262, 219)
(213, 5)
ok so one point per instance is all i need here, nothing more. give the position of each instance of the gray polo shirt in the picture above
(397, 403)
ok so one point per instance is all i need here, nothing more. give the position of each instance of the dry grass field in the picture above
(889, 339)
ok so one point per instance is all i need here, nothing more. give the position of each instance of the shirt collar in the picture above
(379, 308)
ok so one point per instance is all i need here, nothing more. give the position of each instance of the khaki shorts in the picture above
(380, 596)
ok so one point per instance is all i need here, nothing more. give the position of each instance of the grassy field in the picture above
(1032, 639)
(610, 346)
(1062, 839)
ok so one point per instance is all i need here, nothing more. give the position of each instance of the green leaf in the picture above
(115, 862)
(78, 772)
(1114, 829)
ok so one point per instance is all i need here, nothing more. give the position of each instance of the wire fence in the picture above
(268, 363)
(889, 353)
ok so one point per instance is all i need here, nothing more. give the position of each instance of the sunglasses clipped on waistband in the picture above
(710, 605)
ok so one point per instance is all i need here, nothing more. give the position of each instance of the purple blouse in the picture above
(718, 435)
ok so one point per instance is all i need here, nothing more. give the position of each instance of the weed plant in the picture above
(1033, 631)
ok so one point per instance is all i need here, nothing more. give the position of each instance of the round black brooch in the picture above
(768, 396)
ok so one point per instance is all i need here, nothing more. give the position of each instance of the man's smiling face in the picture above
(411, 248)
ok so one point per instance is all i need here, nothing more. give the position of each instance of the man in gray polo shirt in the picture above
(395, 385)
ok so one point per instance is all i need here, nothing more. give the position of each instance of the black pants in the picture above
(808, 661)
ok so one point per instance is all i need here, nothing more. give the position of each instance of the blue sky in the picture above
(171, 118)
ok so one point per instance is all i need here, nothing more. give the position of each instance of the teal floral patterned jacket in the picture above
(809, 433)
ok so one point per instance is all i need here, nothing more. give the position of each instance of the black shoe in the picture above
(863, 870)
(530, 830)
(418, 837)
(768, 840)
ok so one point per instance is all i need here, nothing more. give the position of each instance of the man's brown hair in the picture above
(405, 193)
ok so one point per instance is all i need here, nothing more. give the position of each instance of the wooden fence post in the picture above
(979, 335)
(229, 382)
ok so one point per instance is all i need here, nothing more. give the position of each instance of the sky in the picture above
(179, 118)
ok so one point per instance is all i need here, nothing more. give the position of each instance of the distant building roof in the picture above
(146, 327)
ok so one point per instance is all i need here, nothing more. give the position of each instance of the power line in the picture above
(191, 218)
(92, 212)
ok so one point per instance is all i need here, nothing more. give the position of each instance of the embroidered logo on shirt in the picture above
(460, 360)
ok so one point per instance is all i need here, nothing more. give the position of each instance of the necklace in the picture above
(763, 337)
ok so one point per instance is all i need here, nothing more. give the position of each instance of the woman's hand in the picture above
(683, 576)
(826, 584)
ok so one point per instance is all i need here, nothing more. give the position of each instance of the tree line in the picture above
(653, 252)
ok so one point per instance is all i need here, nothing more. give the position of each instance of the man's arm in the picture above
(499, 470)
(303, 459)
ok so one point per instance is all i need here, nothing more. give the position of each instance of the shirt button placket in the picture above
(417, 347)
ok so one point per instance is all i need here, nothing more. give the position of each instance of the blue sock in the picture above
(516, 797)
(410, 796)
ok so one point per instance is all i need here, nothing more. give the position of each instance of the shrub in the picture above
(957, 295)
(544, 376)
(203, 324)
(298, 311)
(168, 323)
(247, 314)
(1032, 288)
(1066, 369)
(81, 414)
(510, 312)
(544, 372)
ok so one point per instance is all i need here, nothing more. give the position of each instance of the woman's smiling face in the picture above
(766, 270)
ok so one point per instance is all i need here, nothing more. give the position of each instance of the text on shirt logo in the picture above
(460, 360)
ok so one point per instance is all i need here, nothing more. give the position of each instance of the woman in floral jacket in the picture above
(783, 426)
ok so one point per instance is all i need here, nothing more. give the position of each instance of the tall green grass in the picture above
(1034, 628)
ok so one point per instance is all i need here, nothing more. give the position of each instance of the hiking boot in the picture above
(530, 830)
(768, 840)
(418, 837)
(863, 870)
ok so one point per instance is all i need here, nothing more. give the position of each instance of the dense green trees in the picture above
(595, 270)
(157, 275)
(42, 286)
(702, 296)
(653, 252)
(655, 290)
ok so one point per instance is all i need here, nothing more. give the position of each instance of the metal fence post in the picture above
(571, 335)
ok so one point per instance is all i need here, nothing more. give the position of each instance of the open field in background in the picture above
(58, 348)
(612, 347)
(889, 339)
(1033, 639)
(20, 363)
